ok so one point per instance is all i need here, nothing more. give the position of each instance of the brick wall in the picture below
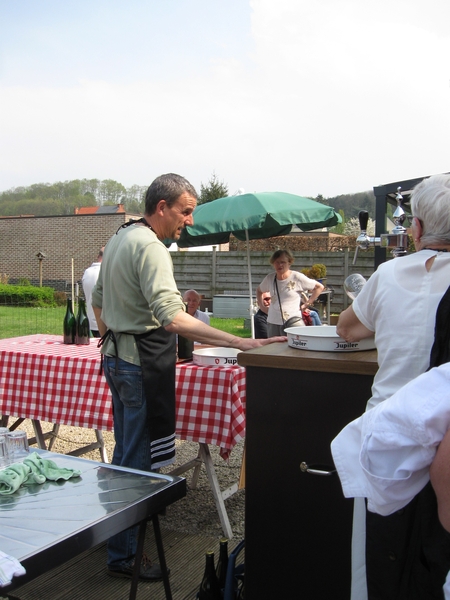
(60, 238)
(81, 236)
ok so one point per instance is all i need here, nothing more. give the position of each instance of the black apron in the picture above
(408, 552)
(157, 353)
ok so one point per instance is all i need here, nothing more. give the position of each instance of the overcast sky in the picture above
(308, 97)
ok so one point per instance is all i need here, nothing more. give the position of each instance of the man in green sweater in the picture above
(139, 310)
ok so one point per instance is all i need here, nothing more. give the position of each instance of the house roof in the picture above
(100, 210)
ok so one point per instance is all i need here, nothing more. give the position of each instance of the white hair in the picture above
(430, 203)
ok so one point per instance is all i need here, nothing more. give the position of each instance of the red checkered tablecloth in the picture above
(41, 378)
(211, 405)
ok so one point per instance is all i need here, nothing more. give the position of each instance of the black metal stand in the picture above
(138, 557)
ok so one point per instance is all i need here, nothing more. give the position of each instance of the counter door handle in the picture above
(317, 469)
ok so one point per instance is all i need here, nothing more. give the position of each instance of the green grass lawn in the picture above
(26, 321)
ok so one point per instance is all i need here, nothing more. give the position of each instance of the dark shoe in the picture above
(148, 571)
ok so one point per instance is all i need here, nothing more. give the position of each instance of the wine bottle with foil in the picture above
(69, 324)
(209, 587)
(222, 563)
(83, 331)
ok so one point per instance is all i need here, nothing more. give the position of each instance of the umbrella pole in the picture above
(252, 321)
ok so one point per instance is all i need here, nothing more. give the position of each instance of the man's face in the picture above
(178, 216)
(192, 301)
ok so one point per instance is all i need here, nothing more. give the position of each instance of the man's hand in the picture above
(248, 343)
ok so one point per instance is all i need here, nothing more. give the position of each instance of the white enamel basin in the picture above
(224, 357)
(324, 339)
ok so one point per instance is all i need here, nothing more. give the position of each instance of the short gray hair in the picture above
(168, 187)
(192, 292)
(430, 203)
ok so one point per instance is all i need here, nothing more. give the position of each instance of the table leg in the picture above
(162, 557)
(101, 447)
(204, 456)
(138, 559)
(196, 464)
(39, 435)
(196, 473)
(54, 434)
(242, 474)
(215, 488)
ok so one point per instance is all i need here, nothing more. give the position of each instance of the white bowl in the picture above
(218, 357)
(324, 339)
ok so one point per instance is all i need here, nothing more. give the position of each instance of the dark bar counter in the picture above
(297, 524)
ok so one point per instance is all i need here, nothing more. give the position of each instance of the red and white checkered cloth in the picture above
(41, 378)
(211, 405)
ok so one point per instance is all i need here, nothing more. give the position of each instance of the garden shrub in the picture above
(317, 271)
(60, 298)
(27, 295)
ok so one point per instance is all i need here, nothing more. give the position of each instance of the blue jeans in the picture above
(132, 437)
(315, 317)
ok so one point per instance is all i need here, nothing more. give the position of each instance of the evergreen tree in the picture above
(213, 190)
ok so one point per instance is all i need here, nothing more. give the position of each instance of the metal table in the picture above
(45, 525)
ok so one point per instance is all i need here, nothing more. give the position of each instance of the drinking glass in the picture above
(354, 284)
(17, 443)
(4, 453)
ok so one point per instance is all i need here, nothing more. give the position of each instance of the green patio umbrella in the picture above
(255, 216)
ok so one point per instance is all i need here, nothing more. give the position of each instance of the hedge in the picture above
(26, 295)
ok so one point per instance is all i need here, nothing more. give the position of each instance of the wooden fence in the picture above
(212, 273)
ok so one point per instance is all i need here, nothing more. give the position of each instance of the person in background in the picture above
(401, 465)
(398, 304)
(88, 281)
(139, 310)
(260, 318)
(315, 317)
(193, 299)
(285, 288)
(309, 312)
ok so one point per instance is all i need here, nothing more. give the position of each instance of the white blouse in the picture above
(385, 454)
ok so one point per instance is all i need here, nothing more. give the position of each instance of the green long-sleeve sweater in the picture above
(136, 289)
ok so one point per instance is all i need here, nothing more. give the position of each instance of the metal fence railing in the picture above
(20, 320)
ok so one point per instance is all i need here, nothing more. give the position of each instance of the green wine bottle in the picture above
(222, 563)
(82, 330)
(209, 587)
(69, 325)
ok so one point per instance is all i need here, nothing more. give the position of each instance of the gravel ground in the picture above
(196, 513)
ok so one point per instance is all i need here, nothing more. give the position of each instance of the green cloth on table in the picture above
(34, 469)
(48, 469)
(12, 478)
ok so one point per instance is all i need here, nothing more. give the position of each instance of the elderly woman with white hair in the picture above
(398, 304)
